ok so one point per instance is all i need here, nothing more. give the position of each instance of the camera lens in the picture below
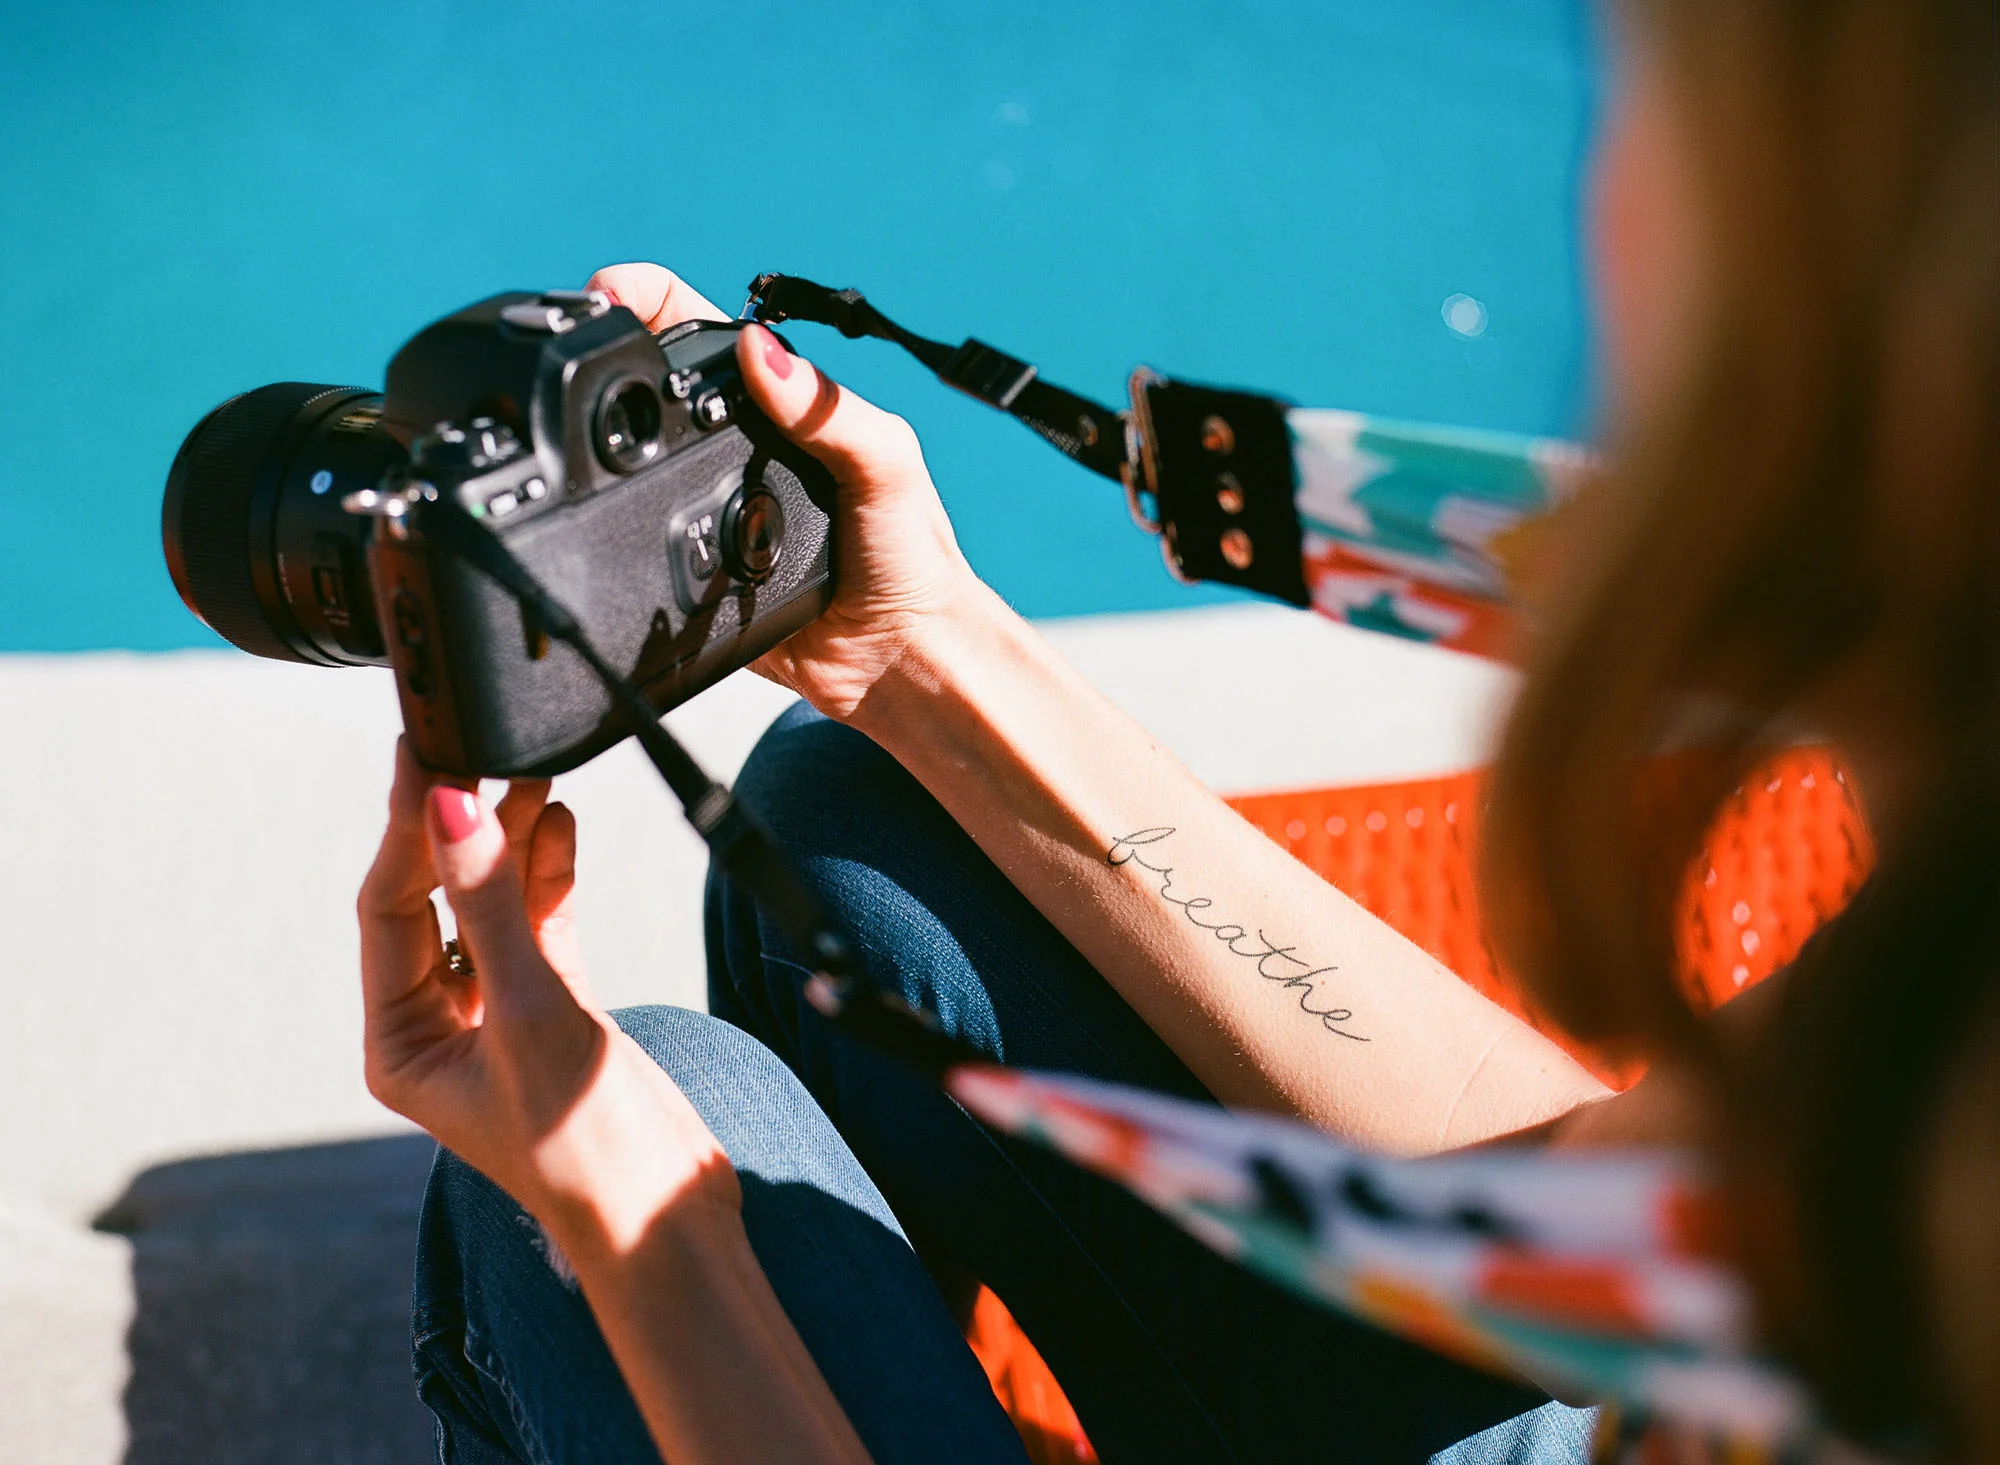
(255, 538)
(628, 425)
(753, 533)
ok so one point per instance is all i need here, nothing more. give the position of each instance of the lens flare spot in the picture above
(1464, 316)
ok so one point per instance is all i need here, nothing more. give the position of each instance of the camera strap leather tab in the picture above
(1219, 467)
(1084, 431)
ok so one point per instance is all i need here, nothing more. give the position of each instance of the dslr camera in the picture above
(630, 474)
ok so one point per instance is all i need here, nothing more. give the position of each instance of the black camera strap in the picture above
(1087, 432)
(739, 843)
(1208, 469)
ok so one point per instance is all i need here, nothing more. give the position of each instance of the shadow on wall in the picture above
(272, 1319)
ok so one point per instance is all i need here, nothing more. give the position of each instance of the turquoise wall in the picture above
(200, 197)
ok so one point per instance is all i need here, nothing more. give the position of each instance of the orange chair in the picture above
(1787, 851)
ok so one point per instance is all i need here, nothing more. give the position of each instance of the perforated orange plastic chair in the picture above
(1787, 852)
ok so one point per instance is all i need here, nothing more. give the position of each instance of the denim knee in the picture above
(885, 860)
(775, 1135)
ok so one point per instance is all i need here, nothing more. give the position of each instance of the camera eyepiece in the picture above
(628, 424)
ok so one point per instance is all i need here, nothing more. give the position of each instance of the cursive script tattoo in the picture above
(1292, 975)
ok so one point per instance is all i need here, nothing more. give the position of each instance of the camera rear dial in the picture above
(753, 533)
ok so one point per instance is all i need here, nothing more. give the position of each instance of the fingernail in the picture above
(776, 356)
(456, 811)
(609, 294)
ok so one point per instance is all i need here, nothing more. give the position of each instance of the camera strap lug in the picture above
(392, 506)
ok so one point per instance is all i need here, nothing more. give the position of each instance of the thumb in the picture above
(860, 443)
(482, 881)
(658, 296)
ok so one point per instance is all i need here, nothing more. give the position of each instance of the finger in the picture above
(551, 867)
(484, 886)
(399, 943)
(519, 809)
(658, 296)
(860, 442)
(551, 896)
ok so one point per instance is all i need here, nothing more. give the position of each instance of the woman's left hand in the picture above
(511, 1065)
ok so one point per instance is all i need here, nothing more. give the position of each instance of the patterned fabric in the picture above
(1411, 529)
(1596, 1276)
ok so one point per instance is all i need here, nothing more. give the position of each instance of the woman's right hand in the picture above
(898, 568)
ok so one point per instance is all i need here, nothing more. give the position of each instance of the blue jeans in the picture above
(1167, 1351)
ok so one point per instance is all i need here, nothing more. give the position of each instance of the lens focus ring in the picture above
(205, 521)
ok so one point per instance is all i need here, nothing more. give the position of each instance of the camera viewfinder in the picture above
(628, 425)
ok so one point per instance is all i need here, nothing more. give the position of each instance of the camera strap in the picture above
(1084, 431)
(1207, 469)
(1412, 529)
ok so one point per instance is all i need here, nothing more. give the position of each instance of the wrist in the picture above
(940, 655)
(631, 1157)
(679, 1238)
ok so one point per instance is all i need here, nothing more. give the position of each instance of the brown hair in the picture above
(1808, 528)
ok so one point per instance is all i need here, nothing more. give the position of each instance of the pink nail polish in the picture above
(609, 294)
(456, 811)
(776, 356)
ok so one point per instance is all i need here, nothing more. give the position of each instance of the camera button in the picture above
(328, 590)
(412, 634)
(711, 409)
(409, 613)
(701, 553)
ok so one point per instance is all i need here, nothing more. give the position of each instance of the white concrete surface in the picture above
(180, 840)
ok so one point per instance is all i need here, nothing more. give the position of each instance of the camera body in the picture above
(629, 474)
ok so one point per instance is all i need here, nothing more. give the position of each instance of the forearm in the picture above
(1276, 990)
(714, 1364)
